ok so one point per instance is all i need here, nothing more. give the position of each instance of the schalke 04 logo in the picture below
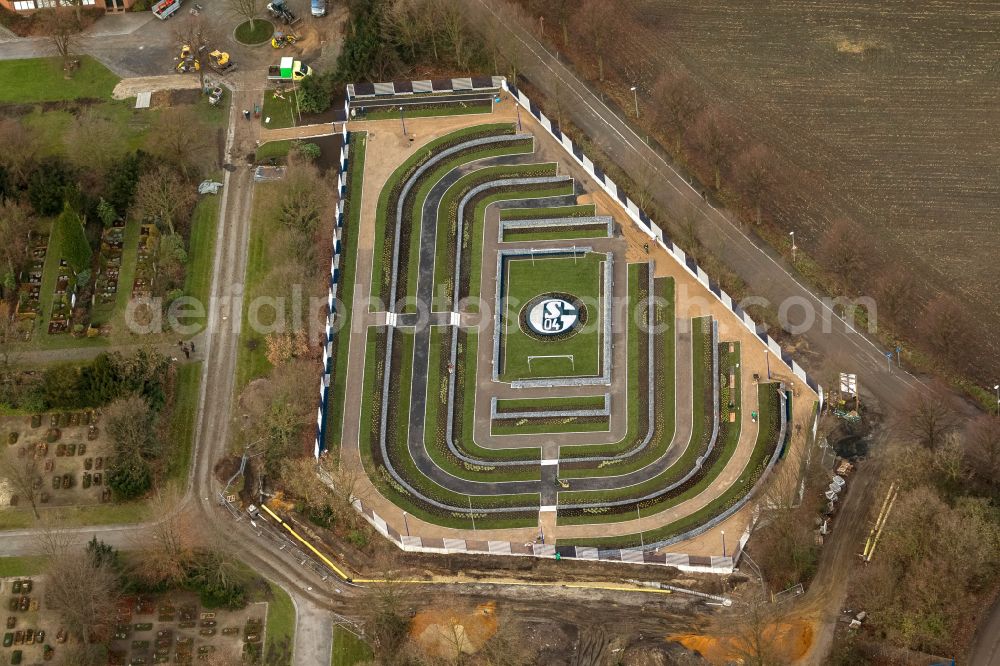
(552, 316)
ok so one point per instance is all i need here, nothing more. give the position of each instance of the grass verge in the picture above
(348, 649)
(43, 80)
(180, 432)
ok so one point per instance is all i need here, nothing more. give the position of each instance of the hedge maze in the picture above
(517, 362)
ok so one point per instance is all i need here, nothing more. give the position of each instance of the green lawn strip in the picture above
(274, 149)
(21, 566)
(555, 212)
(435, 426)
(567, 453)
(280, 111)
(279, 628)
(725, 447)
(398, 495)
(465, 407)
(348, 649)
(43, 80)
(201, 253)
(555, 233)
(345, 287)
(180, 430)
(429, 111)
(561, 425)
(665, 409)
(385, 218)
(77, 516)
(769, 419)
(426, 183)
(251, 359)
(529, 278)
(548, 404)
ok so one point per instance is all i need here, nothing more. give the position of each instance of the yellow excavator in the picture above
(220, 62)
(281, 39)
(188, 63)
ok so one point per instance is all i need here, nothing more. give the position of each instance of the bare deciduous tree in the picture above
(16, 222)
(594, 22)
(246, 9)
(94, 142)
(200, 33)
(840, 251)
(24, 474)
(677, 103)
(984, 448)
(754, 176)
(180, 137)
(85, 595)
(750, 626)
(929, 418)
(20, 148)
(63, 30)
(945, 330)
(715, 141)
(168, 550)
(162, 195)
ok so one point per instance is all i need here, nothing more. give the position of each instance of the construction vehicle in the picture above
(220, 62)
(279, 10)
(288, 69)
(188, 63)
(280, 40)
(165, 8)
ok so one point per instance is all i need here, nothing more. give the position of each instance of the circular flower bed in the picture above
(253, 32)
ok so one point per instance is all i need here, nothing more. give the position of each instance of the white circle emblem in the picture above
(552, 316)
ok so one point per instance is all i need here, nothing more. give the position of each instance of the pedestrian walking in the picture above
(187, 353)
(192, 346)
(246, 114)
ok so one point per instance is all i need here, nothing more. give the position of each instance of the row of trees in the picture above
(386, 38)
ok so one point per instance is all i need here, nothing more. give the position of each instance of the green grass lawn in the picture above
(251, 359)
(429, 111)
(280, 111)
(201, 252)
(43, 80)
(348, 649)
(383, 215)
(180, 433)
(567, 424)
(555, 233)
(526, 279)
(257, 31)
(544, 404)
(274, 149)
(21, 566)
(579, 210)
(77, 516)
(52, 125)
(345, 290)
(280, 624)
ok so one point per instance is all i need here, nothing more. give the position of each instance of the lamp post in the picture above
(723, 533)
(402, 120)
(517, 107)
(406, 524)
(767, 360)
(792, 234)
(471, 515)
(635, 96)
(541, 26)
(997, 389)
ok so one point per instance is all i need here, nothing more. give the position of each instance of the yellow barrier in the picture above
(323, 558)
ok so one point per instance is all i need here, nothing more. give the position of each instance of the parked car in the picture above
(318, 8)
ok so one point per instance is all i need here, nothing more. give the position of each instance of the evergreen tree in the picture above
(73, 240)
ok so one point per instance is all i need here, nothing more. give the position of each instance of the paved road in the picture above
(986, 646)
